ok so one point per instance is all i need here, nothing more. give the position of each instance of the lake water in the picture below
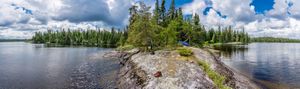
(33, 66)
(273, 64)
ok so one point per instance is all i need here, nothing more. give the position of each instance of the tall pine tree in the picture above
(196, 19)
(163, 14)
(156, 11)
(172, 11)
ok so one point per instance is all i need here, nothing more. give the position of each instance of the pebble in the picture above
(157, 74)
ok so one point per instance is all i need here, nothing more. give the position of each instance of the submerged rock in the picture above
(144, 71)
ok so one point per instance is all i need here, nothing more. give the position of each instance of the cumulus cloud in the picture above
(83, 10)
(13, 34)
(7, 18)
(280, 10)
(196, 6)
(37, 15)
(234, 10)
(21, 18)
(281, 21)
(294, 9)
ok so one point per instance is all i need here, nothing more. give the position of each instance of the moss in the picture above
(125, 47)
(213, 75)
(183, 51)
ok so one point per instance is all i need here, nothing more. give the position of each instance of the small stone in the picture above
(158, 74)
(152, 53)
(191, 61)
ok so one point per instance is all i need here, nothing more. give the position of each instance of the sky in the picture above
(19, 19)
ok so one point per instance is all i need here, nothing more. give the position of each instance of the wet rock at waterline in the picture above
(234, 79)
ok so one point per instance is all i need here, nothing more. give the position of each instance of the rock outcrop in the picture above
(176, 72)
(233, 79)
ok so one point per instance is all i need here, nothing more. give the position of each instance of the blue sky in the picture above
(21, 18)
(178, 3)
(262, 5)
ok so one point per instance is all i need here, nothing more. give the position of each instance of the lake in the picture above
(276, 65)
(33, 66)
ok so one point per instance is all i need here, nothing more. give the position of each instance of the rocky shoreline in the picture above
(168, 70)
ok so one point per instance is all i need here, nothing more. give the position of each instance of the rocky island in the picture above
(168, 69)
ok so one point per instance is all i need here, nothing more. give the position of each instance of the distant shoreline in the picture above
(13, 40)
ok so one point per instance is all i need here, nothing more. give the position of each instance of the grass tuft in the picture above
(183, 51)
(125, 48)
(213, 75)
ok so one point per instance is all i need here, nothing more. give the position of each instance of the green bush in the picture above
(185, 51)
(206, 44)
(125, 47)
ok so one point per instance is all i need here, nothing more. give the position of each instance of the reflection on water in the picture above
(229, 50)
(30, 66)
(274, 62)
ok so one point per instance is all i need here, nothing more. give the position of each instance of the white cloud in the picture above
(9, 15)
(195, 6)
(103, 13)
(213, 19)
(276, 22)
(60, 13)
(13, 34)
(295, 10)
(280, 10)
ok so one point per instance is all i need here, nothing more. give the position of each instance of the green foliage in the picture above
(142, 31)
(179, 16)
(156, 13)
(164, 29)
(198, 32)
(196, 20)
(273, 39)
(206, 44)
(125, 47)
(218, 79)
(162, 14)
(148, 31)
(169, 35)
(97, 38)
(171, 12)
(183, 51)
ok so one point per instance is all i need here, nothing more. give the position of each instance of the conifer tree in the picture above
(142, 33)
(163, 14)
(180, 16)
(156, 13)
(148, 31)
(170, 34)
(171, 12)
(196, 19)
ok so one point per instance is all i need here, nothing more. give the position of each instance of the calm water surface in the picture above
(31, 66)
(277, 63)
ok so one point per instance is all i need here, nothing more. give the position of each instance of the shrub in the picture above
(185, 51)
(206, 44)
(125, 47)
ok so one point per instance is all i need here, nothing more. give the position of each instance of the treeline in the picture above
(226, 35)
(97, 38)
(13, 40)
(274, 39)
(167, 28)
(148, 30)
